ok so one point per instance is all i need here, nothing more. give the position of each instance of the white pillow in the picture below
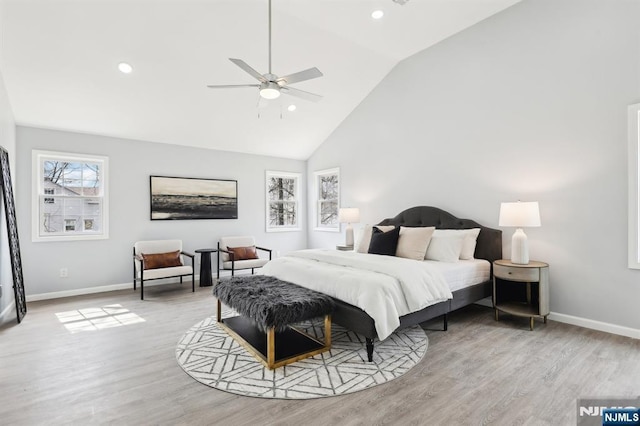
(413, 242)
(445, 248)
(365, 237)
(469, 242)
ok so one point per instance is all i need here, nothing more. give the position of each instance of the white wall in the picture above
(107, 262)
(529, 104)
(8, 142)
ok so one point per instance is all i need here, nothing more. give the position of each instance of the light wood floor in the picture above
(478, 372)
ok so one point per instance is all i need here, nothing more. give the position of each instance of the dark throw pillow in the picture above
(384, 242)
(243, 253)
(162, 260)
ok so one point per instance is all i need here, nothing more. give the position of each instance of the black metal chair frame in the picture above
(233, 262)
(142, 280)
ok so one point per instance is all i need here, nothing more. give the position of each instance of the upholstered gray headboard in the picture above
(489, 244)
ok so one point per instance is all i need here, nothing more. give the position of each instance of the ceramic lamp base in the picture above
(349, 235)
(519, 248)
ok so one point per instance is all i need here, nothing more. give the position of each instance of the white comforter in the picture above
(385, 287)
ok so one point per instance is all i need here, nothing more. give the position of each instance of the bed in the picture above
(488, 247)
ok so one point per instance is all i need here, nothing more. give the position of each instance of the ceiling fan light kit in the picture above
(270, 90)
(271, 86)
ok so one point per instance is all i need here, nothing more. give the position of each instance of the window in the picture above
(48, 200)
(69, 225)
(634, 177)
(283, 190)
(327, 189)
(69, 196)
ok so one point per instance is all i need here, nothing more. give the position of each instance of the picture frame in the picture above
(185, 198)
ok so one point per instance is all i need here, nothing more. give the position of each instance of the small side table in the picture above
(521, 290)
(206, 279)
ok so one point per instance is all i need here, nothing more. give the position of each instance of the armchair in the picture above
(232, 257)
(154, 260)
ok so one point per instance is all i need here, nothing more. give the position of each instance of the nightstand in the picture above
(521, 290)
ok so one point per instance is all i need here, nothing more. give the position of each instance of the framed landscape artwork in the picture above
(175, 198)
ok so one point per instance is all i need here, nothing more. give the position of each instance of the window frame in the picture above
(317, 200)
(37, 177)
(289, 175)
(634, 186)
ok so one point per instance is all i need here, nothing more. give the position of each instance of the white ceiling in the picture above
(59, 61)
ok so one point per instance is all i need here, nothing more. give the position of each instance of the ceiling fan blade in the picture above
(301, 94)
(242, 64)
(300, 76)
(230, 86)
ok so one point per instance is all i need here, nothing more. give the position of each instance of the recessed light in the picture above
(291, 107)
(125, 67)
(377, 14)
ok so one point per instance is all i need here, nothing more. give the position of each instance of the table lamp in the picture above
(519, 215)
(349, 215)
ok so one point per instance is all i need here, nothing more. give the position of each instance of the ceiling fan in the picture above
(271, 86)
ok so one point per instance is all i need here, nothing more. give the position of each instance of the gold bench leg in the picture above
(219, 311)
(271, 348)
(327, 331)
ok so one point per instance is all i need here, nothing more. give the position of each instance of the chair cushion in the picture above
(161, 260)
(245, 264)
(244, 253)
(150, 274)
(226, 242)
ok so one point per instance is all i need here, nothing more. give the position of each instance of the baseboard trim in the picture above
(92, 290)
(582, 322)
(6, 311)
(77, 292)
(596, 325)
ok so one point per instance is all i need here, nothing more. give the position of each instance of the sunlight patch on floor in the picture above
(91, 319)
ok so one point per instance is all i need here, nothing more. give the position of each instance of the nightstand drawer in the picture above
(517, 274)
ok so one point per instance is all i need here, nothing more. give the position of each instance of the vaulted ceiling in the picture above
(59, 61)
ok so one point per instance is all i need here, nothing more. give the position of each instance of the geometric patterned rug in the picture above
(210, 356)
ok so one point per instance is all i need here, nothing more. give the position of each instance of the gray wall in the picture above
(529, 104)
(8, 142)
(106, 262)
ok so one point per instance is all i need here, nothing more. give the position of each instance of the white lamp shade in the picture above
(349, 215)
(520, 214)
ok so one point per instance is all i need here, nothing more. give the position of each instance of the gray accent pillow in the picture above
(384, 243)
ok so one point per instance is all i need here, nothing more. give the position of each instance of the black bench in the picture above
(268, 307)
